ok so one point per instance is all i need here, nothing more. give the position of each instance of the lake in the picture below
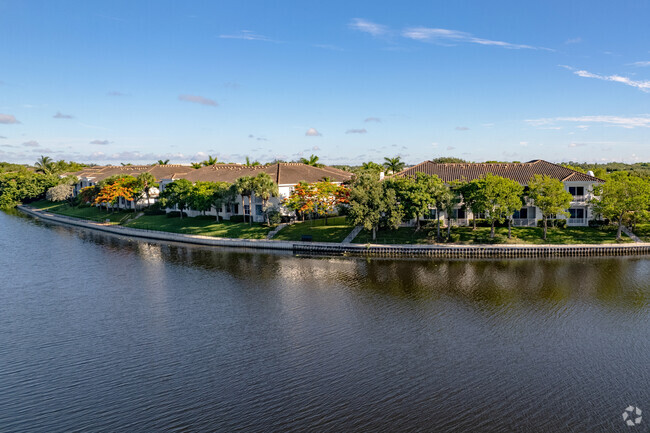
(103, 334)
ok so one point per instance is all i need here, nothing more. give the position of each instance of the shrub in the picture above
(154, 209)
(237, 218)
(275, 217)
(176, 214)
(596, 224)
(552, 222)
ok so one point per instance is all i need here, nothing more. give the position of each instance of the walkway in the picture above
(276, 230)
(353, 234)
(632, 236)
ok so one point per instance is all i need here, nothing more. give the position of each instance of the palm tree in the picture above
(44, 165)
(163, 162)
(244, 187)
(394, 164)
(196, 165)
(223, 193)
(265, 188)
(146, 181)
(251, 164)
(210, 161)
(313, 161)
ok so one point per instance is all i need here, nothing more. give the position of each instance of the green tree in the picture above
(163, 162)
(447, 160)
(502, 197)
(177, 193)
(250, 163)
(45, 165)
(473, 198)
(371, 203)
(394, 164)
(224, 193)
(417, 195)
(265, 188)
(60, 192)
(448, 199)
(621, 194)
(145, 182)
(196, 164)
(549, 195)
(312, 160)
(201, 196)
(244, 187)
(210, 161)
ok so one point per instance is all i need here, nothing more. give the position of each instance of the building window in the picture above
(577, 190)
(521, 213)
(434, 213)
(247, 209)
(258, 209)
(459, 214)
(578, 213)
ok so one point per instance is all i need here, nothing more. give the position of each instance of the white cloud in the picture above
(573, 144)
(312, 132)
(116, 93)
(315, 148)
(31, 143)
(573, 41)
(373, 119)
(198, 100)
(643, 85)
(640, 63)
(623, 122)
(369, 27)
(100, 142)
(446, 36)
(60, 115)
(8, 119)
(356, 131)
(248, 35)
(462, 128)
(450, 147)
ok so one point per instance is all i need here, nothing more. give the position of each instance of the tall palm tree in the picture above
(244, 187)
(196, 165)
(146, 181)
(44, 165)
(250, 163)
(210, 161)
(163, 162)
(265, 188)
(394, 164)
(313, 161)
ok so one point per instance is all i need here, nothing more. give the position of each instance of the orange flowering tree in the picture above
(110, 193)
(319, 197)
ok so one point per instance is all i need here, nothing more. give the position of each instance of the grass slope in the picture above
(643, 232)
(520, 235)
(200, 225)
(88, 213)
(335, 231)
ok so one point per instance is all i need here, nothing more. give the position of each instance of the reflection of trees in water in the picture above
(609, 281)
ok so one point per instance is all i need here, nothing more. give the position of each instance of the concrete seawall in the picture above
(323, 248)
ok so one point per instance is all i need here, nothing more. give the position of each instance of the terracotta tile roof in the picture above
(98, 173)
(281, 173)
(519, 171)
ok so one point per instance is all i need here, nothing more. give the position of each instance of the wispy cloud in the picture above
(248, 35)
(623, 122)
(573, 41)
(198, 100)
(312, 132)
(328, 47)
(2, 137)
(8, 119)
(646, 63)
(447, 36)
(373, 119)
(643, 85)
(356, 131)
(31, 143)
(100, 142)
(462, 128)
(60, 115)
(369, 27)
(116, 93)
(574, 144)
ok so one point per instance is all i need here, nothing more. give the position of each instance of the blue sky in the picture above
(127, 81)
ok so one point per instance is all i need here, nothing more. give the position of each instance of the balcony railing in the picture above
(579, 198)
(524, 222)
(577, 221)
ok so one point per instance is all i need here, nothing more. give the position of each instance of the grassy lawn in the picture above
(335, 231)
(200, 225)
(524, 235)
(643, 231)
(88, 213)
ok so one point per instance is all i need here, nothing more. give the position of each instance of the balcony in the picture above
(524, 222)
(577, 221)
(579, 198)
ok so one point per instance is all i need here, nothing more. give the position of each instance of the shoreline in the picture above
(368, 250)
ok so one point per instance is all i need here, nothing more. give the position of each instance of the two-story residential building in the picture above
(580, 185)
(285, 175)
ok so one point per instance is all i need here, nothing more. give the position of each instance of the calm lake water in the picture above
(100, 333)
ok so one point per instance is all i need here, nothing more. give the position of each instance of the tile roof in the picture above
(519, 171)
(98, 173)
(282, 173)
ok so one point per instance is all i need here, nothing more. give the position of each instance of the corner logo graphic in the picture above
(632, 416)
